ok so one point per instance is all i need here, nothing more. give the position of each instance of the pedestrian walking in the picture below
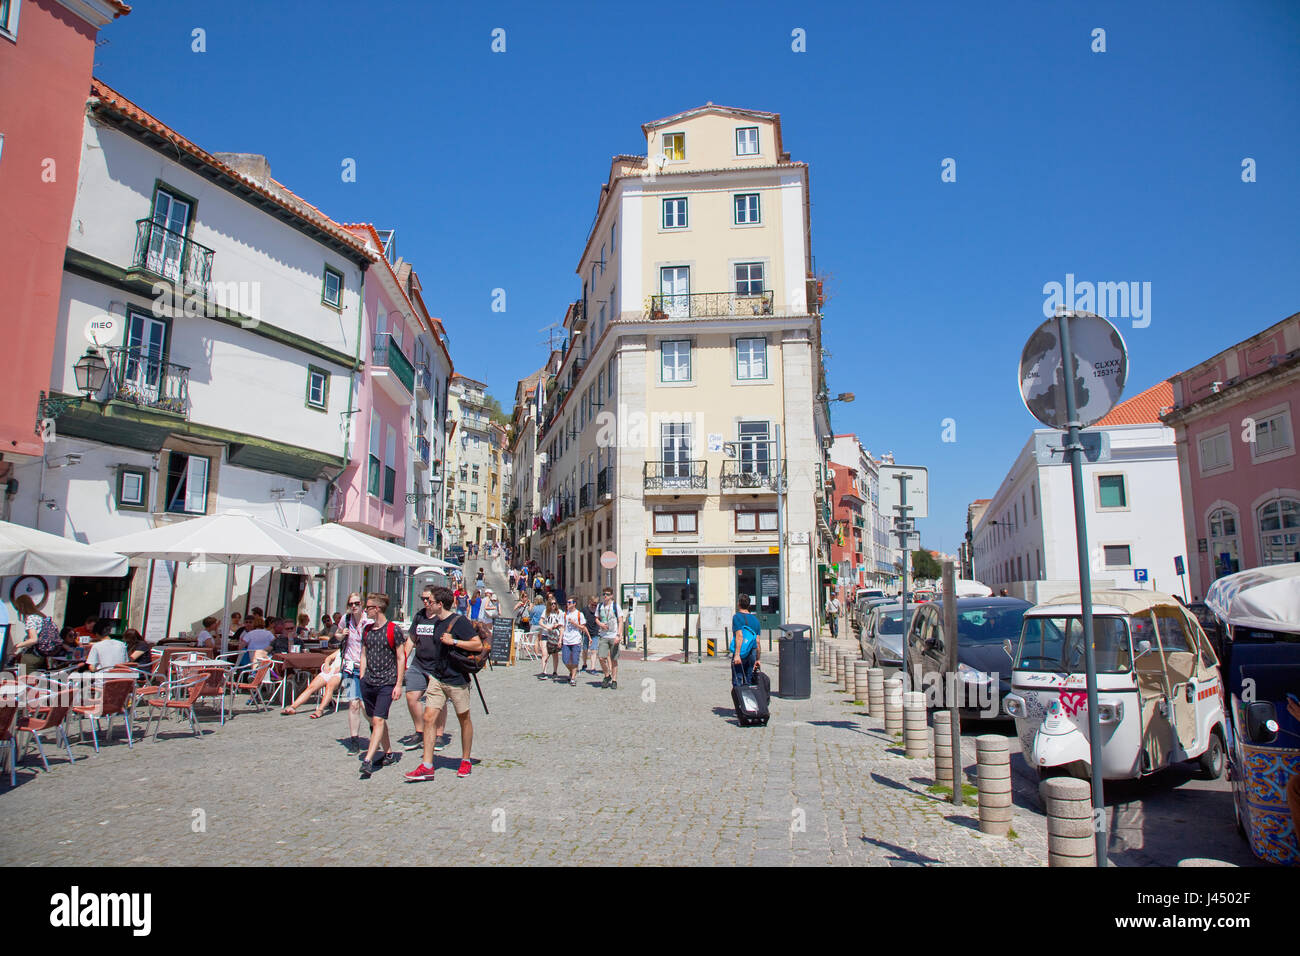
(744, 646)
(574, 629)
(589, 642)
(351, 626)
(383, 673)
(537, 608)
(447, 685)
(609, 621)
(833, 609)
(552, 627)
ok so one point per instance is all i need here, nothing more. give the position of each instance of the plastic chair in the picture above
(8, 714)
(190, 687)
(215, 686)
(113, 698)
(257, 676)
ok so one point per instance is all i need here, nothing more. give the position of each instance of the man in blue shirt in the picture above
(744, 648)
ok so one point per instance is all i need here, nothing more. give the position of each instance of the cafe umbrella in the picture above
(25, 550)
(377, 550)
(232, 539)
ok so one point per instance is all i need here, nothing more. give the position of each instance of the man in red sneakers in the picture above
(451, 631)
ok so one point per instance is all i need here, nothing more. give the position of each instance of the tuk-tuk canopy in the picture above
(1267, 598)
(1111, 601)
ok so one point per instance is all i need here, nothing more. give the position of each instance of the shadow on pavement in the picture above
(903, 855)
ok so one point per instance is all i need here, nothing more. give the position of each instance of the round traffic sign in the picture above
(609, 560)
(1100, 370)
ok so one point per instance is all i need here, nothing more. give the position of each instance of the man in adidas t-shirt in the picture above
(451, 631)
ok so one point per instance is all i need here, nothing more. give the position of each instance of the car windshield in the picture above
(989, 625)
(891, 622)
(1056, 644)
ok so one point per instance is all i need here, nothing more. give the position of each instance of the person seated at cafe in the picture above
(327, 681)
(205, 638)
(107, 651)
(87, 630)
(138, 650)
(284, 632)
(71, 642)
(304, 627)
(236, 627)
(257, 639)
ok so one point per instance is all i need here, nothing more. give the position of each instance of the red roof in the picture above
(1143, 408)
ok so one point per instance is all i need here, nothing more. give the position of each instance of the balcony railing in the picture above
(423, 378)
(171, 255)
(422, 446)
(702, 304)
(602, 483)
(672, 475)
(754, 470)
(431, 533)
(138, 377)
(587, 496)
(388, 354)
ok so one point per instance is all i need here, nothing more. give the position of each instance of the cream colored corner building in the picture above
(692, 352)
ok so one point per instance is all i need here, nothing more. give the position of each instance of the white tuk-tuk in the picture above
(1159, 696)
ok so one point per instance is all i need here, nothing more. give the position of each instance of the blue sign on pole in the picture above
(1140, 575)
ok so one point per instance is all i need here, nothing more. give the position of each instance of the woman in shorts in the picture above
(552, 625)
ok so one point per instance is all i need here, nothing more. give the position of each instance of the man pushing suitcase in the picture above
(744, 643)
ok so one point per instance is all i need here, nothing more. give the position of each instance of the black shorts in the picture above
(377, 699)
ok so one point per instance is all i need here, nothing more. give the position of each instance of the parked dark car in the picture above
(984, 628)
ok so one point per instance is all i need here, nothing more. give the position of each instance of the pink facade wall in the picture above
(847, 506)
(44, 82)
(360, 509)
(1248, 485)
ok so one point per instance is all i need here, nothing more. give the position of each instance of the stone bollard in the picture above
(860, 669)
(943, 748)
(1070, 837)
(993, 768)
(916, 732)
(834, 657)
(823, 656)
(876, 692)
(893, 706)
(846, 672)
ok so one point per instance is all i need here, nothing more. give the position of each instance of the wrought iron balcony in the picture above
(676, 476)
(136, 376)
(390, 363)
(587, 496)
(754, 471)
(704, 304)
(171, 255)
(602, 483)
(422, 446)
(423, 378)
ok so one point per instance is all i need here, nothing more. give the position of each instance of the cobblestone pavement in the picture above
(656, 772)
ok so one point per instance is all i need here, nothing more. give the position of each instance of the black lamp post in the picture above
(90, 372)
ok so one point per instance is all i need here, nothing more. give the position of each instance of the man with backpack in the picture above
(744, 647)
(436, 652)
(383, 672)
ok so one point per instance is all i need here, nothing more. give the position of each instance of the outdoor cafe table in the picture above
(307, 662)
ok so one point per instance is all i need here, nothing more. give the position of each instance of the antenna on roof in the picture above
(554, 330)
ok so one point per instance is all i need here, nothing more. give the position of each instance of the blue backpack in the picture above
(748, 641)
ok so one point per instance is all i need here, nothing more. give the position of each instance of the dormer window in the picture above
(747, 141)
(674, 146)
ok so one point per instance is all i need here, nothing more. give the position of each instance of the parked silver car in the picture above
(881, 639)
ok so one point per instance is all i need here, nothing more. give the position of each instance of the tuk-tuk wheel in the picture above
(1213, 760)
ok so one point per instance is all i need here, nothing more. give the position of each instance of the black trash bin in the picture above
(795, 679)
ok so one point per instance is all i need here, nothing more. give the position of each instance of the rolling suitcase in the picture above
(750, 701)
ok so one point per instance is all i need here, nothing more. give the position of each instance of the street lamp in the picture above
(90, 372)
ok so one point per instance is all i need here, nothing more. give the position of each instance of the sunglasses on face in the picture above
(372, 607)
(354, 604)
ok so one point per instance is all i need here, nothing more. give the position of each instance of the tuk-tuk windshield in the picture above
(1056, 644)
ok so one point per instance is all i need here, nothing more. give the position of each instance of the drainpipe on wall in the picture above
(356, 367)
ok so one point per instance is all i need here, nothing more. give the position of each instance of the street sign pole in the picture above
(902, 508)
(1074, 448)
(780, 538)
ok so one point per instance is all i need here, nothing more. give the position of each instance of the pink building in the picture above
(849, 527)
(1233, 415)
(47, 48)
(373, 487)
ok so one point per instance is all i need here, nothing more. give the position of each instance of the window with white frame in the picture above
(187, 483)
(751, 359)
(375, 472)
(1112, 493)
(332, 288)
(1272, 434)
(1224, 549)
(1117, 555)
(675, 213)
(674, 145)
(675, 361)
(676, 445)
(317, 387)
(749, 278)
(746, 209)
(747, 141)
(9, 18)
(1214, 451)
(1279, 531)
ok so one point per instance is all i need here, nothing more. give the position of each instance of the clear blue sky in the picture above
(1115, 166)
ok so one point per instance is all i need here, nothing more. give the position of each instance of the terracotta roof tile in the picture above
(1143, 408)
(112, 101)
